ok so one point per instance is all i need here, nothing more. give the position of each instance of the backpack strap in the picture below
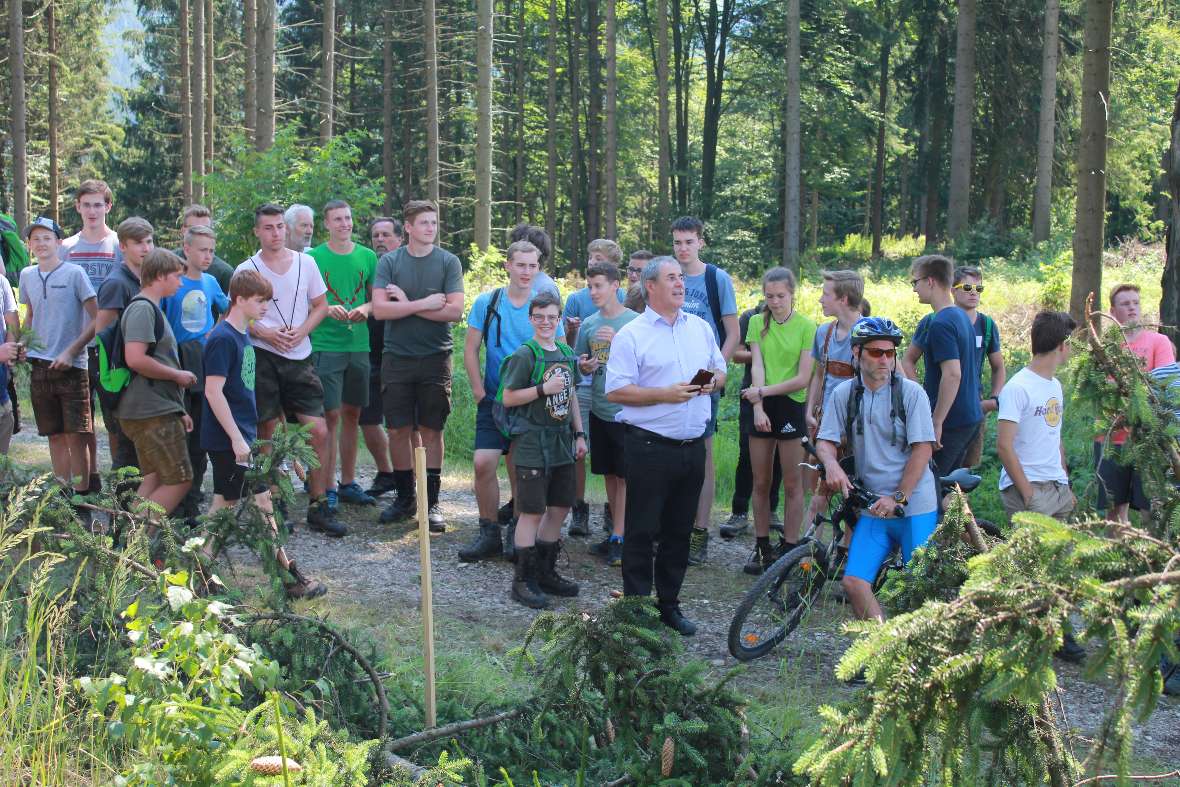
(713, 295)
(156, 312)
(493, 305)
(989, 326)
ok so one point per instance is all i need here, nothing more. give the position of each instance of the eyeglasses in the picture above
(544, 317)
(914, 282)
(636, 271)
(879, 352)
(970, 288)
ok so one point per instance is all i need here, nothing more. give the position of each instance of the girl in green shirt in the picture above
(780, 345)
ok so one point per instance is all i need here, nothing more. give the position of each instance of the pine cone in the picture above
(610, 730)
(667, 754)
(272, 765)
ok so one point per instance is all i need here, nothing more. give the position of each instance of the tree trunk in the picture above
(593, 122)
(904, 196)
(1170, 301)
(249, 68)
(714, 32)
(792, 157)
(483, 124)
(577, 178)
(681, 64)
(1090, 219)
(958, 208)
(662, 122)
(186, 110)
(327, 70)
(814, 218)
(264, 54)
(17, 110)
(551, 127)
(937, 136)
(52, 112)
(611, 206)
(197, 97)
(878, 205)
(1043, 196)
(519, 166)
(387, 107)
(430, 57)
(210, 61)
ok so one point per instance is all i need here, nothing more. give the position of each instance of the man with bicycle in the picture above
(885, 420)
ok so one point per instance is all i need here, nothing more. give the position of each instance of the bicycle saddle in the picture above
(966, 480)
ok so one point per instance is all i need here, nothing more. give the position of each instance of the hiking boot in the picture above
(524, 581)
(333, 500)
(510, 541)
(401, 509)
(601, 548)
(614, 552)
(302, 586)
(763, 557)
(608, 521)
(698, 547)
(546, 571)
(322, 519)
(1070, 650)
(673, 618)
(580, 519)
(737, 524)
(354, 495)
(381, 484)
(505, 512)
(487, 544)
(434, 515)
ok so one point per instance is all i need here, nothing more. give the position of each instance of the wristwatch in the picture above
(900, 498)
(579, 434)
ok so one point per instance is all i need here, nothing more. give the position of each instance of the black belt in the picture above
(659, 438)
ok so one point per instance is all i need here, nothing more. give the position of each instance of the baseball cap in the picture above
(46, 223)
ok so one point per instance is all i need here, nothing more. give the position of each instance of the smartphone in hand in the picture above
(702, 378)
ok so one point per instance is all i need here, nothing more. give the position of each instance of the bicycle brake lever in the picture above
(810, 466)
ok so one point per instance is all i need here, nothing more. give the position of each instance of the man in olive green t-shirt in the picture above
(340, 347)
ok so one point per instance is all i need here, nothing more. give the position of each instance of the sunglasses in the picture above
(879, 352)
(970, 288)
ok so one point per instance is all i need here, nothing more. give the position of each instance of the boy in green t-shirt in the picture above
(340, 347)
(547, 438)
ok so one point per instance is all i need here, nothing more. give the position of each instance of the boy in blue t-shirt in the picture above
(230, 421)
(192, 313)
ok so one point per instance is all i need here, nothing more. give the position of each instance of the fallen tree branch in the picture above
(147, 571)
(435, 733)
(1110, 777)
(398, 764)
(1146, 581)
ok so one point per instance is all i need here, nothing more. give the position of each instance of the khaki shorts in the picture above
(162, 446)
(1051, 498)
(61, 399)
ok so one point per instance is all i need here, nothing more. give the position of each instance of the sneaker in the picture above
(614, 555)
(303, 586)
(381, 484)
(487, 543)
(505, 512)
(333, 499)
(673, 618)
(763, 557)
(322, 519)
(698, 547)
(734, 526)
(354, 495)
(608, 521)
(545, 556)
(401, 509)
(601, 548)
(435, 520)
(580, 519)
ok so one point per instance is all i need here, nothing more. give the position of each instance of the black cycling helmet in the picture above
(868, 329)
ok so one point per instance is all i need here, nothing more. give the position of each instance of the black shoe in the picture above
(580, 519)
(525, 589)
(546, 571)
(735, 526)
(1071, 651)
(673, 618)
(321, 519)
(384, 482)
(608, 521)
(698, 547)
(487, 544)
(601, 548)
(434, 515)
(505, 512)
(762, 559)
(401, 509)
(510, 541)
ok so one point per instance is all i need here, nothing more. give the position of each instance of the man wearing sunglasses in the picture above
(885, 420)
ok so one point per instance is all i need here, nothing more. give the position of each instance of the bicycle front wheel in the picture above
(776, 603)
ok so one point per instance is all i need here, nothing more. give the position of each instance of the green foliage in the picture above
(290, 171)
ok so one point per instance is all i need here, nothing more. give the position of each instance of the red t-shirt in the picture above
(1156, 350)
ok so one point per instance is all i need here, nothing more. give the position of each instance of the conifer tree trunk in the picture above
(52, 111)
(483, 124)
(387, 107)
(681, 62)
(551, 126)
(959, 205)
(264, 53)
(210, 60)
(611, 201)
(197, 97)
(660, 230)
(878, 206)
(521, 106)
(577, 176)
(593, 122)
(937, 136)
(792, 155)
(714, 31)
(430, 57)
(186, 110)
(249, 68)
(17, 112)
(1090, 220)
(1043, 196)
(327, 70)
(1170, 301)
(814, 218)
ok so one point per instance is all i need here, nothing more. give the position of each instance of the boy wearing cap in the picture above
(61, 308)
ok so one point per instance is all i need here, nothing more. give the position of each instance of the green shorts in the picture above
(345, 378)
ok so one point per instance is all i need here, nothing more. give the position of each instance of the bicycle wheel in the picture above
(773, 607)
(892, 563)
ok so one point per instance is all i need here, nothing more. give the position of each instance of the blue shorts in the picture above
(487, 435)
(874, 538)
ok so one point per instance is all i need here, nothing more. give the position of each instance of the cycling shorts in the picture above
(874, 538)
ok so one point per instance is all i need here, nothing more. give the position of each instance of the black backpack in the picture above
(113, 373)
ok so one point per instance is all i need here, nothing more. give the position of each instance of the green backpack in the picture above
(513, 421)
(13, 249)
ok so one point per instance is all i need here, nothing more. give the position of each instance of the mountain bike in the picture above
(777, 602)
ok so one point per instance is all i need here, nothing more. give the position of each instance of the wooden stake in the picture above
(424, 569)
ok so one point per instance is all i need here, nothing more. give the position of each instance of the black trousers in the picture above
(743, 480)
(194, 402)
(661, 515)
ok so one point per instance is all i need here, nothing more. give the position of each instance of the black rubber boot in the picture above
(525, 589)
(405, 505)
(487, 544)
(547, 577)
(510, 541)
(434, 516)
